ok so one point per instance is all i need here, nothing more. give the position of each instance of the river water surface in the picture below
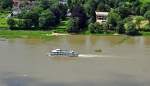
(124, 61)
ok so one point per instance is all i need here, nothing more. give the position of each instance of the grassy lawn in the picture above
(25, 34)
(3, 23)
(3, 20)
(145, 33)
(62, 27)
(145, 1)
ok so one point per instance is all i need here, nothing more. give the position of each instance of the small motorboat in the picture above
(60, 52)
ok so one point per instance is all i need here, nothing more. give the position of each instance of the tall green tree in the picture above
(73, 26)
(145, 7)
(46, 19)
(125, 9)
(90, 7)
(113, 19)
(147, 15)
(131, 29)
(138, 20)
(79, 13)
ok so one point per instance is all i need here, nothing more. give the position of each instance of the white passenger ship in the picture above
(60, 52)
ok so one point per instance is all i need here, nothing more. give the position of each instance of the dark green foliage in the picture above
(90, 7)
(63, 10)
(120, 27)
(145, 7)
(45, 4)
(29, 19)
(33, 17)
(79, 12)
(6, 4)
(136, 6)
(125, 9)
(80, 17)
(147, 15)
(73, 26)
(44, 15)
(46, 19)
(11, 22)
(96, 28)
(74, 3)
(49, 13)
(91, 27)
(113, 19)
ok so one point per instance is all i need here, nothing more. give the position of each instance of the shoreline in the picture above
(47, 34)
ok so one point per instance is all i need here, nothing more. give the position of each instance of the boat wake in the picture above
(91, 56)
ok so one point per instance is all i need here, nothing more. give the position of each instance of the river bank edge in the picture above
(48, 34)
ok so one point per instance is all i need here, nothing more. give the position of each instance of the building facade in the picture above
(63, 1)
(101, 17)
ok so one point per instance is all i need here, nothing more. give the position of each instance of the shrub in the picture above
(95, 28)
(120, 27)
(73, 25)
(91, 27)
(147, 15)
(12, 23)
(47, 19)
(131, 29)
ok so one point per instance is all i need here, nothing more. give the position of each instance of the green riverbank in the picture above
(25, 34)
(145, 33)
(45, 34)
(145, 1)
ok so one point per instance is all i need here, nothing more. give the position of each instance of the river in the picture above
(124, 61)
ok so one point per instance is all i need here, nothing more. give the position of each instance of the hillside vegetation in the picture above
(125, 16)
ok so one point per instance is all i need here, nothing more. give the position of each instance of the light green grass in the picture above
(145, 1)
(62, 27)
(3, 20)
(25, 34)
(3, 23)
(145, 33)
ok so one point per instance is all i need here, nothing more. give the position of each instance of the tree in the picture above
(91, 27)
(24, 24)
(125, 9)
(79, 13)
(74, 3)
(120, 27)
(131, 29)
(73, 26)
(138, 20)
(57, 13)
(45, 4)
(63, 10)
(90, 7)
(147, 15)
(101, 7)
(32, 16)
(136, 4)
(113, 19)
(46, 19)
(145, 7)
(96, 28)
